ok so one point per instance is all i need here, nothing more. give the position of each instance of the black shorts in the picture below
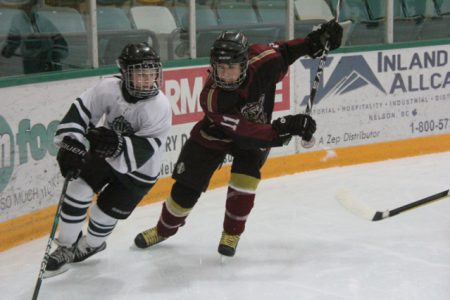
(196, 164)
(118, 194)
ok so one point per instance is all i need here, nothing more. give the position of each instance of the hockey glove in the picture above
(330, 31)
(70, 157)
(105, 142)
(301, 125)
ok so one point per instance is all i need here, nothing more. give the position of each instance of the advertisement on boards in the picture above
(378, 96)
(29, 174)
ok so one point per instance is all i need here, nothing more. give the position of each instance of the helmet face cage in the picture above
(141, 69)
(230, 48)
(143, 80)
(225, 84)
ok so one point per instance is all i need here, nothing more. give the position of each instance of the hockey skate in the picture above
(83, 250)
(148, 238)
(228, 244)
(59, 260)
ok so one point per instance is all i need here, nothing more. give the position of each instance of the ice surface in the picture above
(299, 244)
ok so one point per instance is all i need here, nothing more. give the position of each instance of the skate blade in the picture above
(49, 274)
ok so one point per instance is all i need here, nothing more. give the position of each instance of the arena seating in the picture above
(165, 24)
(159, 20)
(115, 30)
(12, 65)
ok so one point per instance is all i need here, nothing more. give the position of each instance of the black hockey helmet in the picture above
(230, 47)
(140, 60)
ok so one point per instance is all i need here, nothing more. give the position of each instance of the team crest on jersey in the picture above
(254, 111)
(121, 125)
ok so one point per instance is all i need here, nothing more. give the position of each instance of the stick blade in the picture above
(354, 205)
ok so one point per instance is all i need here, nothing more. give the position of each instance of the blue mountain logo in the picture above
(350, 74)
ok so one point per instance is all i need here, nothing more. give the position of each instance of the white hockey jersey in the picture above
(144, 126)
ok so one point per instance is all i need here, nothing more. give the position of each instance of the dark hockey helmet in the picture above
(230, 47)
(141, 69)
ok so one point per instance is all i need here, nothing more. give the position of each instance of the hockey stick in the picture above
(361, 209)
(52, 236)
(319, 72)
(309, 143)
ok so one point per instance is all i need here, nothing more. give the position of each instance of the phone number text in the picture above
(430, 125)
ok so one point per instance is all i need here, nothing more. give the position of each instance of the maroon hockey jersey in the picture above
(242, 117)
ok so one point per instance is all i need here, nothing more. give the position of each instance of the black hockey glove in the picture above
(70, 157)
(330, 31)
(105, 142)
(301, 125)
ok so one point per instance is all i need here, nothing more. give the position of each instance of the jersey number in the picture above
(230, 122)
